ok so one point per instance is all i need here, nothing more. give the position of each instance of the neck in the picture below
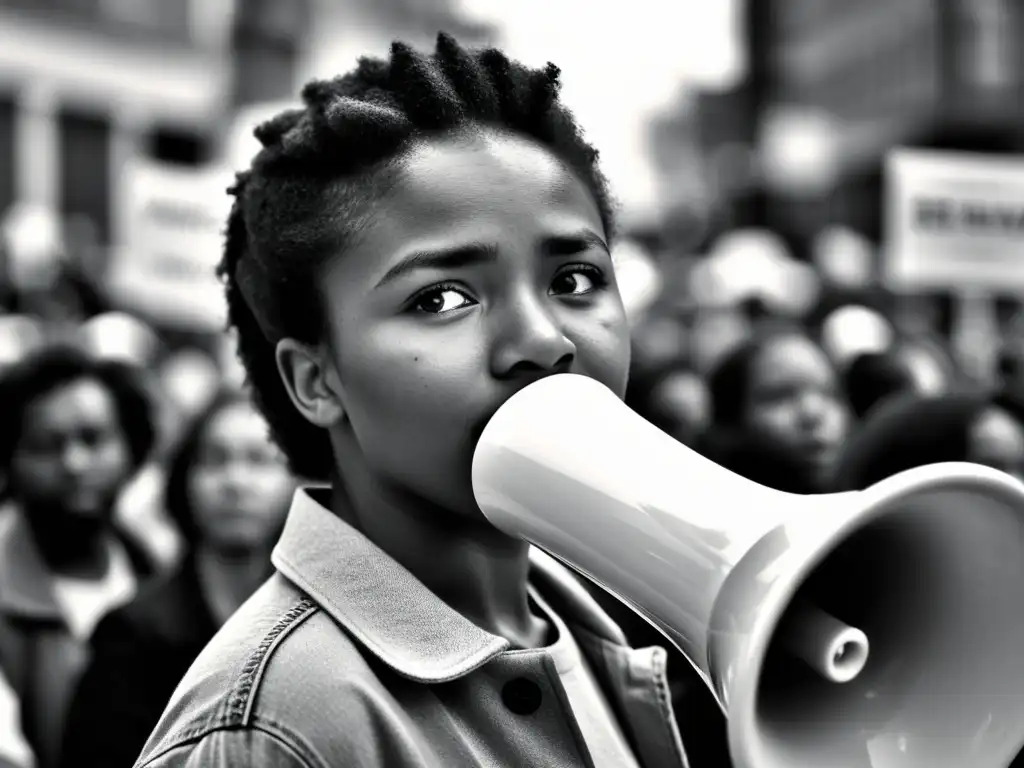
(83, 554)
(228, 579)
(478, 571)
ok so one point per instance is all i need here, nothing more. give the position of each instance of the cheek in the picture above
(772, 420)
(408, 376)
(275, 487)
(35, 477)
(841, 417)
(114, 458)
(202, 494)
(603, 344)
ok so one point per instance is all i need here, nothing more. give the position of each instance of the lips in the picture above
(819, 451)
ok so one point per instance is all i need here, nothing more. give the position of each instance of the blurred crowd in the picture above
(141, 496)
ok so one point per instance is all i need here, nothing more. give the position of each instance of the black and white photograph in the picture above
(539, 384)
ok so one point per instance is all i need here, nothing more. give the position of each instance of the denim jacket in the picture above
(343, 658)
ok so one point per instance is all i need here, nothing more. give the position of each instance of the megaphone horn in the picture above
(881, 628)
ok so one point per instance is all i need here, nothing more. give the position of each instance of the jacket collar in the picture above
(394, 615)
(26, 584)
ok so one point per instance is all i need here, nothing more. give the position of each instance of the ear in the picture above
(308, 376)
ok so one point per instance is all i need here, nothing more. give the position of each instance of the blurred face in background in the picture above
(73, 457)
(793, 399)
(996, 440)
(239, 488)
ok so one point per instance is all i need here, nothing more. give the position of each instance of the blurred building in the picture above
(269, 39)
(86, 85)
(860, 78)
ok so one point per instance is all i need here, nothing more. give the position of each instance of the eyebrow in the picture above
(473, 254)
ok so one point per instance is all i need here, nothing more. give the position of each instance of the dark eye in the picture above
(441, 300)
(92, 437)
(577, 281)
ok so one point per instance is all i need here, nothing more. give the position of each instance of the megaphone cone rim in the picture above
(740, 700)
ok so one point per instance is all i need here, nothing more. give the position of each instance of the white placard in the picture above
(954, 221)
(174, 224)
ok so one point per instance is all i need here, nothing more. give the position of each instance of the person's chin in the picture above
(86, 510)
(233, 544)
(822, 459)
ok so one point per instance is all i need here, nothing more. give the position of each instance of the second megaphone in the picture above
(880, 629)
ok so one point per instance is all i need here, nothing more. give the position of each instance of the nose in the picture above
(530, 341)
(237, 479)
(75, 458)
(812, 410)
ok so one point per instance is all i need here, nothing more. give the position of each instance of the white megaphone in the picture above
(881, 629)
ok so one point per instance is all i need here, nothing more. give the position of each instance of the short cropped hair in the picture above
(324, 165)
(55, 366)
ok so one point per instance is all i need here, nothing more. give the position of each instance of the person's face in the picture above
(793, 399)
(239, 487)
(73, 457)
(996, 440)
(485, 270)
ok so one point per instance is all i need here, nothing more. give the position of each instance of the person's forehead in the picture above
(451, 179)
(237, 418)
(72, 401)
(465, 155)
(482, 189)
(785, 353)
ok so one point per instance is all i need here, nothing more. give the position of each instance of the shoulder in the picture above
(280, 672)
(228, 748)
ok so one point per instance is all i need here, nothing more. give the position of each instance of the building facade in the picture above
(943, 74)
(87, 85)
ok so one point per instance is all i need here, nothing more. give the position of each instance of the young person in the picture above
(228, 490)
(426, 237)
(73, 431)
(779, 388)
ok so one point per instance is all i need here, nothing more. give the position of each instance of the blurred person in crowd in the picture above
(228, 489)
(73, 430)
(184, 385)
(72, 298)
(1010, 366)
(763, 459)
(674, 398)
(913, 431)
(779, 388)
(872, 377)
(400, 628)
(14, 749)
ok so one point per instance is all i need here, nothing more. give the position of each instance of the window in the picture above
(85, 169)
(179, 146)
(8, 108)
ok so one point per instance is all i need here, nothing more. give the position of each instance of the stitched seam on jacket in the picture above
(291, 738)
(239, 704)
(667, 724)
(196, 735)
(665, 705)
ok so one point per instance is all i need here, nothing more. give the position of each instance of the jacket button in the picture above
(521, 696)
